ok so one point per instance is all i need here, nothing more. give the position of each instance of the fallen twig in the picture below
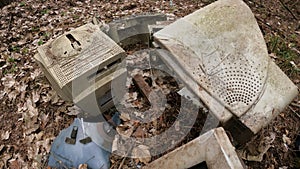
(295, 104)
(288, 9)
(294, 111)
(124, 158)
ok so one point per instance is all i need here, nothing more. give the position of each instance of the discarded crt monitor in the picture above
(80, 66)
(220, 52)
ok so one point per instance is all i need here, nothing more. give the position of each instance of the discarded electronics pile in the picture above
(218, 52)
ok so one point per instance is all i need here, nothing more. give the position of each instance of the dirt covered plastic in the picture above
(66, 155)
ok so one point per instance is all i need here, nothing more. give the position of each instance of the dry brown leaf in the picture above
(54, 97)
(125, 117)
(74, 110)
(21, 88)
(32, 111)
(83, 166)
(260, 149)
(177, 125)
(35, 96)
(31, 128)
(8, 81)
(131, 96)
(46, 144)
(5, 136)
(21, 107)
(1, 147)
(14, 164)
(125, 131)
(44, 120)
(139, 132)
(286, 139)
(142, 154)
(2, 94)
(12, 95)
(5, 158)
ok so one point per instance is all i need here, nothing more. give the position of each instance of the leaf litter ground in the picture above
(32, 114)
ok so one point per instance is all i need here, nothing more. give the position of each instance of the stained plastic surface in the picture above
(65, 155)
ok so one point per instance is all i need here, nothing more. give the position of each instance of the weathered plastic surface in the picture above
(64, 155)
(221, 47)
(133, 29)
(278, 93)
(88, 99)
(213, 147)
(214, 106)
(220, 53)
(78, 63)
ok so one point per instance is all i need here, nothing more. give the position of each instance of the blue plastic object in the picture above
(67, 153)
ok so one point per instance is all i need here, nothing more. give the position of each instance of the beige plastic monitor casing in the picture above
(220, 52)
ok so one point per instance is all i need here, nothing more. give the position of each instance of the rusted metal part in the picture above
(154, 97)
(213, 147)
(85, 140)
(72, 138)
(142, 85)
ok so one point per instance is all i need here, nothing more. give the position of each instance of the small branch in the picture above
(294, 111)
(263, 22)
(124, 158)
(288, 9)
(295, 105)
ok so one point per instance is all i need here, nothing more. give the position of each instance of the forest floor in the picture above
(32, 114)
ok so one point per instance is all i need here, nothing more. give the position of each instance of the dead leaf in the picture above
(115, 144)
(125, 117)
(125, 131)
(5, 136)
(54, 97)
(74, 110)
(142, 154)
(273, 55)
(131, 96)
(8, 81)
(1, 147)
(286, 139)
(35, 96)
(32, 111)
(21, 88)
(139, 132)
(21, 107)
(14, 164)
(261, 149)
(177, 125)
(138, 114)
(32, 128)
(2, 94)
(83, 166)
(12, 95)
